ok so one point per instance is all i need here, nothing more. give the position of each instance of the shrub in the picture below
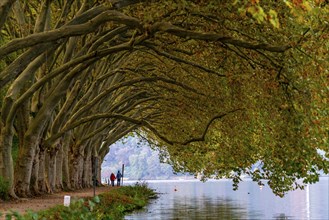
(111, 205)
(4, 188)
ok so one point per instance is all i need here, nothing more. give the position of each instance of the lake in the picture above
(215, 199)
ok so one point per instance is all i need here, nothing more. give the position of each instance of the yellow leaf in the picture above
(288, 4)
(306, 5)
(251, 10)
(235, 2)
(274, 20)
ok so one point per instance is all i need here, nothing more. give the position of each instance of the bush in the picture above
(119, 201)
(4, 188)
(111, 205)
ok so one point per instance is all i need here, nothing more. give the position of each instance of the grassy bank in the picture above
(113, 204)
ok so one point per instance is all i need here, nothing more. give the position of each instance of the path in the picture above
(47, 201)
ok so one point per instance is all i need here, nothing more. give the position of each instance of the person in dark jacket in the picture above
(119, 175)
(112, 178)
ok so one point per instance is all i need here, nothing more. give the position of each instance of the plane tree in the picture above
(218, 86)
(33, 83)
(272, 113)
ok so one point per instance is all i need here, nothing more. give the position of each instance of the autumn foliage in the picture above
(222, 88)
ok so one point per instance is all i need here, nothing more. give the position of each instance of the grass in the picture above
(113, 204)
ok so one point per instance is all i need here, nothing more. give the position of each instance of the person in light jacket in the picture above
(119, 175)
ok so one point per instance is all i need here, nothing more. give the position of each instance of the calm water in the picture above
(217, 200)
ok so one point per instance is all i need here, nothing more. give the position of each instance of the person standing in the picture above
(112, 178)
(119, 175)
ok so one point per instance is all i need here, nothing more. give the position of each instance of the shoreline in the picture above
(46, 201)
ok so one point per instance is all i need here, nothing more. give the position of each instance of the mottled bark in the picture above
(99, 171)
(74, 169)
(80, 170)
(6, 160)
(42, 173)
(65, 168)
(52, 169)
(23, 168)
(87, 170)
(35, 173)
(5, 6)
(59, 169)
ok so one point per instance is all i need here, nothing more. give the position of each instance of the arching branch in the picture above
(180, 32)
(124, 3)
(201, 138)
(68, 31)
(83, 61)
(5, 6)
(180, 60)
(128, 83)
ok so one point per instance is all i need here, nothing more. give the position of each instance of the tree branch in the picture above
(68, 31)
(124, 3)
(197, 139)
(180, 60)
(180, 32)
(124, 84)
(5, 6)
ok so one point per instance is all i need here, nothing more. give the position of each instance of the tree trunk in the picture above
(52, 169)
(46, 180)
(76, 164)
(42, 174)
(6, 160)
(23, 168)
(74, 170)
(80, 170)
(87, 170)
(5, 7)
(66, 170)
(59, 169)
(99, 170)
(35, 173)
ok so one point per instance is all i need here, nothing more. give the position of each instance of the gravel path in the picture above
(47, 201)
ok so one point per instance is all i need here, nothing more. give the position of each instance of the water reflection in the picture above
(217, 200)
(282, 216)
(205, 208)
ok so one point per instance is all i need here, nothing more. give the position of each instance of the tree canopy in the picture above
(218, 86)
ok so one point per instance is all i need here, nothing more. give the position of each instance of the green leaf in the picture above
(274, 20)
(96, 199)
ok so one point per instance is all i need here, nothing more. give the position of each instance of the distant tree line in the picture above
(140, 161)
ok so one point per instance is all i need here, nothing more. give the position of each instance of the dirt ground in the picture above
(46, 201)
